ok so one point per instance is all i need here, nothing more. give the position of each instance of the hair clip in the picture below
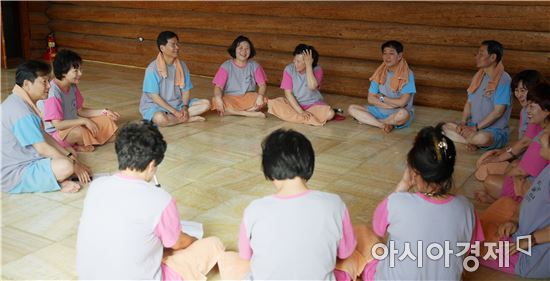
(436, 149)
(440, 146)
(443, 144)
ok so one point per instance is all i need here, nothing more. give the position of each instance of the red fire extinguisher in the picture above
(51, 51)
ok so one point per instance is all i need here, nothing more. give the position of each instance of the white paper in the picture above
(192, 228)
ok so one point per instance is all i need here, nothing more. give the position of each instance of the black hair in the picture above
(164, 36)
(301, 48)
(63, 61)
(29, 70)
(241, 38)
(287, 154)
(530, 78)
(494, 47)
(392, 44)
(433, 157)
(540, 94)
(137, 144)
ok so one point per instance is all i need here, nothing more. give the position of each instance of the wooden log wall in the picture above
(440, 38)
(39, 29)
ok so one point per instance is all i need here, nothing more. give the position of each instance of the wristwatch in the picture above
(381, 98)
(70, 155)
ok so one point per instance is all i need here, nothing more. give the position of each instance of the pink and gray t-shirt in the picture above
(408, 89)
(153, 83)
(531, 162)
(297, 83)
(60, 105)
(534, 214)
(527, 129)
(523, 122)
(482, 104)
(296, 238)
(20, 130)
(412, 217)
(125, 225)
(236, 80)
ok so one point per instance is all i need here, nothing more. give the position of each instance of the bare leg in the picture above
(163, 119)
(62, 169)
(492, 189)
(75, 136)
(481, 139)
(199, 107)
(398, 118)
(450, 131)
(363, 116)
(493, 184)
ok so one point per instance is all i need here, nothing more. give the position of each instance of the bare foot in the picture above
(85, 148)
(196, 119)
(70, 186)
(481, 173)
(472, 147)
(387, 128)
(483, 197)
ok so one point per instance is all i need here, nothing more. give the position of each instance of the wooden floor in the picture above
(213, 170)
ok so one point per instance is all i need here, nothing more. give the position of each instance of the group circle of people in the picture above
(130, 229)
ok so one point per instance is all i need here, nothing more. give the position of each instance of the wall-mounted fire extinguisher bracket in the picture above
(51, 51)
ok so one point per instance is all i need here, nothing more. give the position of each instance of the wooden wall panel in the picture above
(24, 29)
(416, 54)
(349, 29)
(345, 67)
(39, 28)
(473, 15)
(440, 38)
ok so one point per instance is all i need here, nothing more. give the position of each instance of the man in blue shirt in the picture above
(165, 99)
(487, 111)
(32, 161)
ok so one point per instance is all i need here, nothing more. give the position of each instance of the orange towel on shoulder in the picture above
(25, 96)
(400, 77)
(161, 65)
(27, 99)
(493, 82)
